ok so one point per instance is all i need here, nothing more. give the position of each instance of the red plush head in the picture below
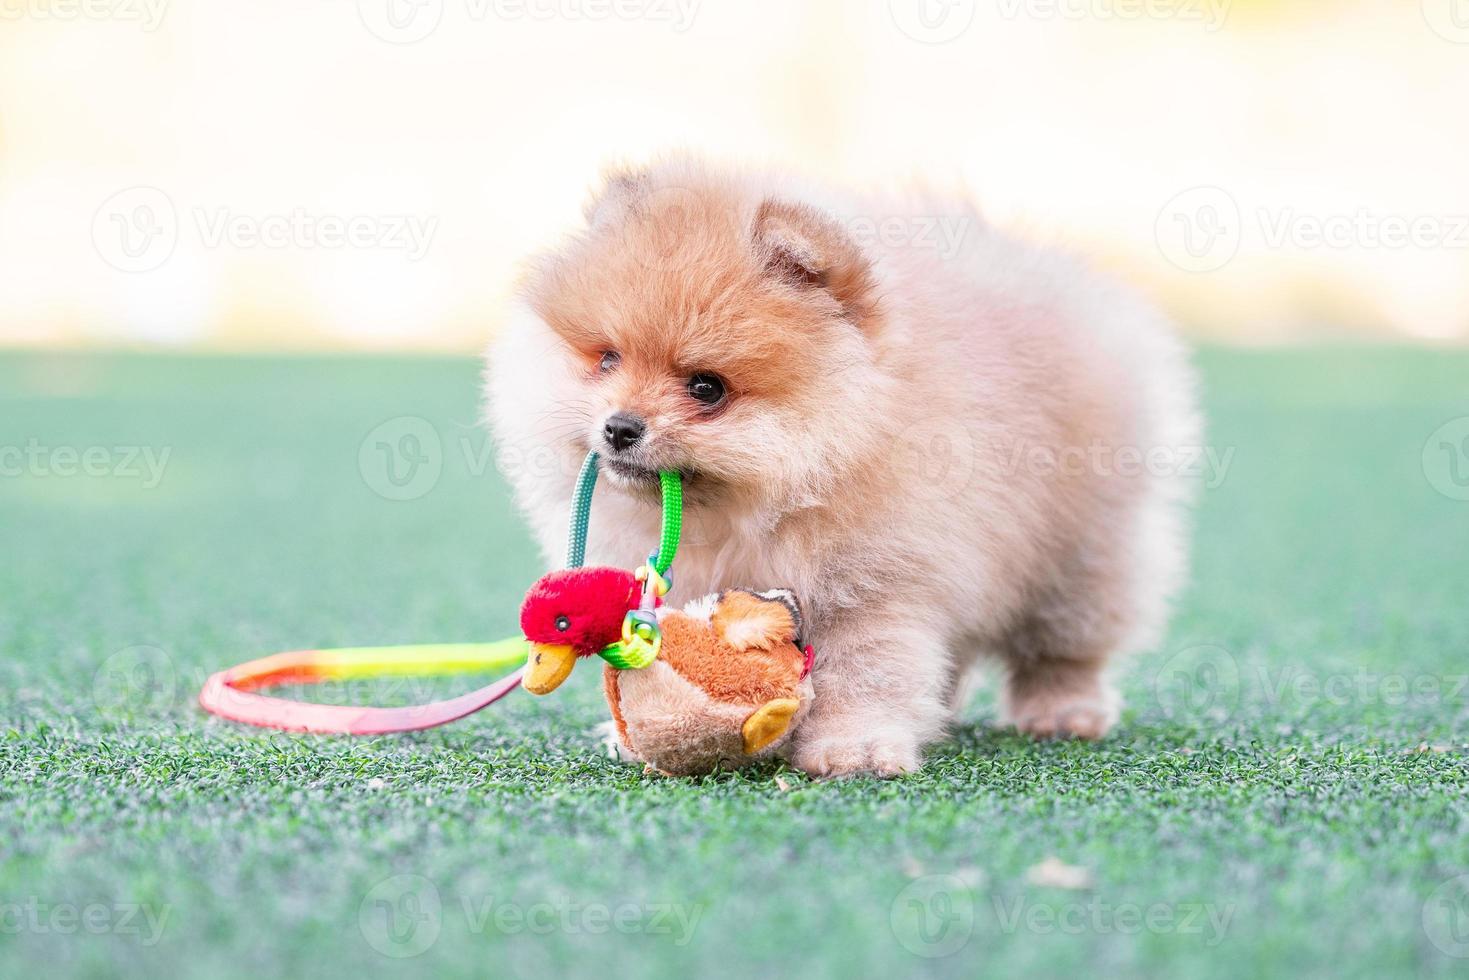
(573, 613)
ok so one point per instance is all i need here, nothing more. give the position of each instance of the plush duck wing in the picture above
(757, 620)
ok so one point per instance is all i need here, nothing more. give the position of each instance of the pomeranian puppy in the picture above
(948, 443)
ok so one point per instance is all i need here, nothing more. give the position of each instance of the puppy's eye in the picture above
(610, 359)
(707, 389)
(562, 624)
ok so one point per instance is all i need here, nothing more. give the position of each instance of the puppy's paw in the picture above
(1065, 715)
(878, 753)
(612, 745)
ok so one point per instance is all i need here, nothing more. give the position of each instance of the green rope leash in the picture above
(672, 520)
(581, 512)
(581, 516)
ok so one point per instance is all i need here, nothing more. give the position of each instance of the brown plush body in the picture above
(728, 686)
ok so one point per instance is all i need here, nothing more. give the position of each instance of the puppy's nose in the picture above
(623, 430)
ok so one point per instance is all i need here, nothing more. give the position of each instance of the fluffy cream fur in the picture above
(935, 447)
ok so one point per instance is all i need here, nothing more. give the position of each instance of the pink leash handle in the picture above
(231, 693)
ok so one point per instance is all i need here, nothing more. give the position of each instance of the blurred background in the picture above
(321, 174)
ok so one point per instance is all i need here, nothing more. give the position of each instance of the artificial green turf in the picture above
(1263, 808)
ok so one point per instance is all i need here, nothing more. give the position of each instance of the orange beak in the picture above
(549, 664)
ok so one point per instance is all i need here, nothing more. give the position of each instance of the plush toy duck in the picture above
(573, 613)
(728, 683)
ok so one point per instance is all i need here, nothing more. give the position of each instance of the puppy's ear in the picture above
(620, 192)
(768, 723)
(807, 249)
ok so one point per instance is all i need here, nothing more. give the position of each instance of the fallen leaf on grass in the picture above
(971, 876)
(1055, 873)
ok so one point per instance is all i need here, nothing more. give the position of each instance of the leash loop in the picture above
(231, 693)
